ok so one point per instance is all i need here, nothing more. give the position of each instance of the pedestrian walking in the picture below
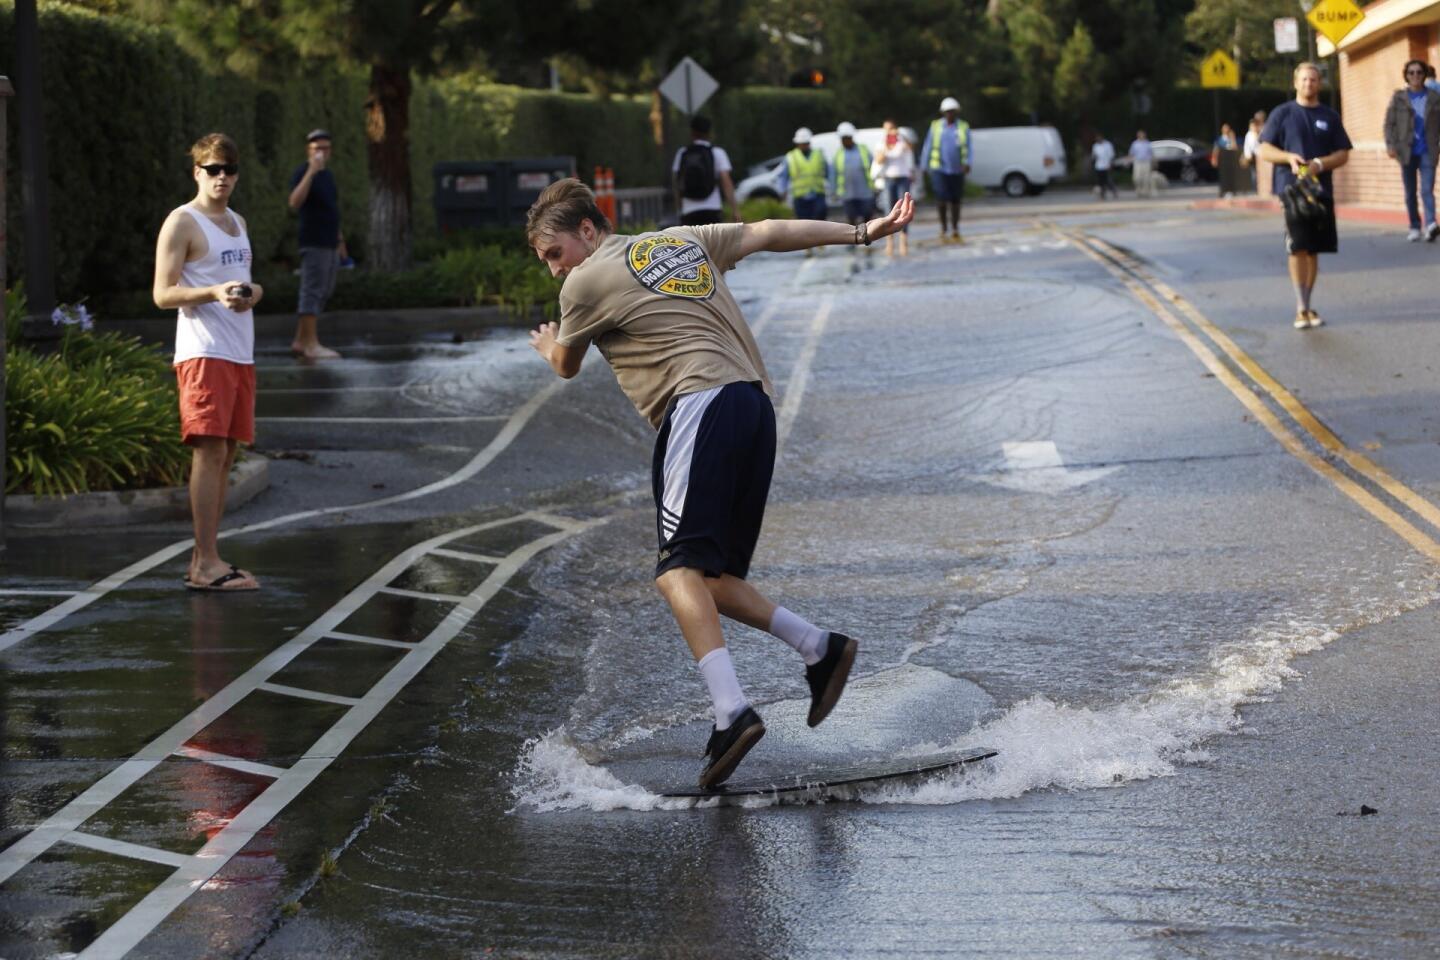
(804, 176)
(1102, 158)
(202, 270)
(1412, 136)
(315, 197)
(702, 178)
(1142, 160)
(946, 155)
(850, 178)
(1306, 142)
(657, 307)
(1249, 153)
(894, 166)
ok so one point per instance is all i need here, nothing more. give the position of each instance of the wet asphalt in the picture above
(1055, 529)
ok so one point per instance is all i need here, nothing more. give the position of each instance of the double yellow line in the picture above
(1169, 306)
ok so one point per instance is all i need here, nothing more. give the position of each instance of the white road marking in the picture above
(232, 763)
(284, 689)
(420, 594)
(800, 375)
(38, 593)
(1035, 466)
(193, 872)
(123, 848)
(464, 555)
(95, 591)
(377, 641)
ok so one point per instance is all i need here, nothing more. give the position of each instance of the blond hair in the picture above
(1307, 65)
(561, 208)
(216, 145)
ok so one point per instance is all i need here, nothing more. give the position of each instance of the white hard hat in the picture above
(949, 103)
(846, 129)
(802, 135)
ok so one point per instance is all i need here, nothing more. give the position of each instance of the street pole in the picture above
(5, 93)
(34, 175)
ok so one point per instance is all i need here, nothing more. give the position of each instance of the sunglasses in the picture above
(215, 169)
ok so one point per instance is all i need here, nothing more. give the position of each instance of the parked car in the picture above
(1017, 160)
(764, 178)
(1187, 161)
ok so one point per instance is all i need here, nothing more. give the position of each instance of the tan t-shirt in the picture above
(661, 315)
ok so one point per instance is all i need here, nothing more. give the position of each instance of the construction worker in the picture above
(850, 176)
(804, 176)
(946, 156)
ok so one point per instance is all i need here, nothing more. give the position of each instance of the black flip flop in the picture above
(218, 584)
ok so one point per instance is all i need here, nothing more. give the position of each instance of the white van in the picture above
(1017, 160)
(764, 179)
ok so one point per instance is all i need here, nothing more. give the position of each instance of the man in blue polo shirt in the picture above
(1303, 137)
(314, 196)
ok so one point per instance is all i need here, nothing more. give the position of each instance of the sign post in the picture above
(688, 86)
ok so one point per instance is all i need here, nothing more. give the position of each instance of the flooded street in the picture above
(1079, 490)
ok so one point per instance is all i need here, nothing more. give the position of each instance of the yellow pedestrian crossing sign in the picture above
(1219, 70)
(1335, 18)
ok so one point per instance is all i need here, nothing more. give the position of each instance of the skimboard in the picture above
(825, 780)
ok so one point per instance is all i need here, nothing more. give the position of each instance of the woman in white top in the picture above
(895, 164)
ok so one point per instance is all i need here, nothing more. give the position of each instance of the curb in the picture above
(1343, 211)
(114, 508)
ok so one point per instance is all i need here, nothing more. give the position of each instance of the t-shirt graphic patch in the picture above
(672, 266)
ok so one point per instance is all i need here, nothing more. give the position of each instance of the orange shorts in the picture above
(217, 399)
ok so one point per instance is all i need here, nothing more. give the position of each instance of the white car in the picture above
(1017, 160)
(764, 178)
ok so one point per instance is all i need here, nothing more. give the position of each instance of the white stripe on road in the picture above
(231, 763)
(421, 594)
(464, 555)
(284, 689)
(38, 593)
(800, 375)
(95, 591)
(377, 641)
(123, 848)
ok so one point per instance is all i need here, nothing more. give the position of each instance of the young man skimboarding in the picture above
(657, 307)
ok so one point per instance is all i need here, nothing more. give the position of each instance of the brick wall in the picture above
(1368, 79)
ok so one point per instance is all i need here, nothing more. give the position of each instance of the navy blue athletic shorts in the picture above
(711, 476)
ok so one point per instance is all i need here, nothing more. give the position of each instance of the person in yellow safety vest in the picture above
(850, 176)
(803, 176)
(946, 155)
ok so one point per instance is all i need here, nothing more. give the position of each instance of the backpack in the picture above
(697, 172)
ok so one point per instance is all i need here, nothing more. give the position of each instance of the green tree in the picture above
(1244, 29)
(1124, 46)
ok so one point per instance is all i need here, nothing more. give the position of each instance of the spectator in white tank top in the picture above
(202, 269)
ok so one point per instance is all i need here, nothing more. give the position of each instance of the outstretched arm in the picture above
(780, 235)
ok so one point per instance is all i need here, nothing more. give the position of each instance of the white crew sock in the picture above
(724, 686)
(807, 639)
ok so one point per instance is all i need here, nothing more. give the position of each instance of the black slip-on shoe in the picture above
(728, 747)
(827, 677)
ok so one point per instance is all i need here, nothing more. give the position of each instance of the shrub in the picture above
(99, 414)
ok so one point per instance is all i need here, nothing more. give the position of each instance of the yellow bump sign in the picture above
(1219, 70)
(1335, 18)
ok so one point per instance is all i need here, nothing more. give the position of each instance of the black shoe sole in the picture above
(835, 686)
(719, 771)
